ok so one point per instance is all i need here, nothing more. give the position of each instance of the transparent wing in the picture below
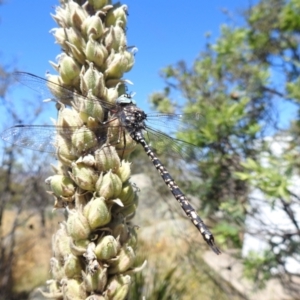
(163, 143)
(54, 90)
(53, 139)
(172, 123)
(38, 138)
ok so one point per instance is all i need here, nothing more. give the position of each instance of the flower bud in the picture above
(78, 14)
(107, 158)
(75, 37)
(72, 266)
(117, 67)
(78, 226)
(61, 17)
(115, 37)
(84, 176)
(97, 213)
(96, 52)
(68, 118)
(130, 58)
(92, 80)
(109, 59)
(123, 262)
(56, 269)
(56, 90)
(61, 243)
(94, 27)
(90, 109)
(110, 186)
(99, 180)
(95, 282)
(65, 153)
(59, 35)
(118, 287)
(83, 139)
(122, 88)
(79, 248)
(125, 148)
(73, 289)
(98, 4)
(117, 14)
(76, 53)
(112, 94)
(107, 247)
(127, 194)
(62, 186)
(69, 69)
(124, 171)
(113, 133)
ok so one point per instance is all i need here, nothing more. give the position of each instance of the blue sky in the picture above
(164, 33)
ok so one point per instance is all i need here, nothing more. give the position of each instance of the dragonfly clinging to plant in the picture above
(123, 117)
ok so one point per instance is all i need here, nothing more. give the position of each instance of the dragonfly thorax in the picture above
(133, 118)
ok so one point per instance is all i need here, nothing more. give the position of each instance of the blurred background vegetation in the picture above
(244, 182)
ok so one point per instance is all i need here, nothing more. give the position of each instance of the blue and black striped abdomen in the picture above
(177, 193)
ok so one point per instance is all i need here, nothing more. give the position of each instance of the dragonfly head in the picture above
(126, 99)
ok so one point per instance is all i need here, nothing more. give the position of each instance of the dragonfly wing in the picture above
(38, 138)
(68, 141)
(57, 91)
(163, 143)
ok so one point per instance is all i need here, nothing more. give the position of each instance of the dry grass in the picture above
(32, 250)
(175, 267)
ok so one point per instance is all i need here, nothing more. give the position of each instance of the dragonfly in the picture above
(125, 118)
